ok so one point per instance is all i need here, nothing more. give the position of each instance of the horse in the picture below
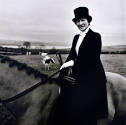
(34, 107)
(116, 95)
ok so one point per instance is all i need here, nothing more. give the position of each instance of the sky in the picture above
(50, 21)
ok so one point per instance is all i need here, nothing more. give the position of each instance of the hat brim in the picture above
(89, 18)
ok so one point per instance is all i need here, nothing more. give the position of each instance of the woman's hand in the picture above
(67, 64)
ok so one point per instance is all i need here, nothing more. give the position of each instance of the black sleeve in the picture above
(91, 54)
(72, 55)
(95, 50)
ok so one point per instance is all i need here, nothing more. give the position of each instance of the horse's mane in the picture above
(22, 66)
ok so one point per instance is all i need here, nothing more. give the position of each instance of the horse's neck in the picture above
(13, 81)
(32, 107)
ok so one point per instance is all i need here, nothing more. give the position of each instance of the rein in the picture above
(13, 98)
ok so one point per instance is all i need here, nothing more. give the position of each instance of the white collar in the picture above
(84, 32)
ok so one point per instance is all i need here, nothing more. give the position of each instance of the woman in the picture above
(86, 101)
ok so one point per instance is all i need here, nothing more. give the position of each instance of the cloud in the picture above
(42, 19)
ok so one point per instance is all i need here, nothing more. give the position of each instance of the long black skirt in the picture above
(78, 105)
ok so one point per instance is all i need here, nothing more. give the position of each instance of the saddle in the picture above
(66, 76)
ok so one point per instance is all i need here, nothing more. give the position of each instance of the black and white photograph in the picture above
(62, 62)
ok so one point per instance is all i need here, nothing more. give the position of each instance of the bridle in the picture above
(3, 102)
(13, 98)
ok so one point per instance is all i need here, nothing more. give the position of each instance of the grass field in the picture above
(111, 62)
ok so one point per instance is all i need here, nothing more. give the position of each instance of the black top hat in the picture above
(81, 12)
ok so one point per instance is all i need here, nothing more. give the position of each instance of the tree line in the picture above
(23, 51)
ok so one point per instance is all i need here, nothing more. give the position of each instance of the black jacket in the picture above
(88, 97)
(88, 60)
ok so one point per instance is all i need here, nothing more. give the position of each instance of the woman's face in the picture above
(82, 24)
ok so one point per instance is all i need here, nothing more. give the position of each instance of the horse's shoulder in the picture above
(116, 81)
(114, 76)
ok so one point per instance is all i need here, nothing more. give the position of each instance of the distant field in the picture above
(115, 63)
(112, 62)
